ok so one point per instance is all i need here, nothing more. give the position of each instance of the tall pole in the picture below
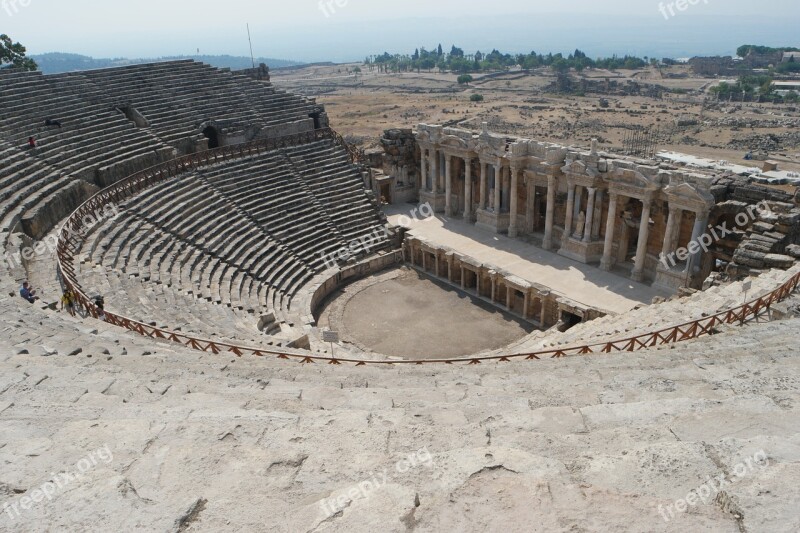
(253, 59)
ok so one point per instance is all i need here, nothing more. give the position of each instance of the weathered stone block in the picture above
(778, 261)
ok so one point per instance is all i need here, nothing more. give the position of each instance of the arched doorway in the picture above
(212, 135)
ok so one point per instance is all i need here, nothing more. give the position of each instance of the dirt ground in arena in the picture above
(444, 322)
(362, 106)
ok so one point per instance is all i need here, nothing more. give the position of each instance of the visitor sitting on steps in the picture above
(28, 293)
(31, 143)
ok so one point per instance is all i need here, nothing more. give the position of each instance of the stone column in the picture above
(543, 311)
(589, 228)
(423, 168)
(498, 179)
(547, 243)
(530, 210)
(598, 214)
(578, 200)
(506, 191)
(526, 304)
(641, 249)
(700, 224)
(570, 211)
(468, 189)
(435, 171)
(448, 184)
(670, 233)
(484, 178)
(611, 223)
(512, 226)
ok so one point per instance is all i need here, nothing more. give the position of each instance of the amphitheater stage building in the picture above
(587, 287)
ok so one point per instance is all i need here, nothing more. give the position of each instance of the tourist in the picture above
(28, 293)
(100, 303)
(52, 122)
(68, 302)
(31, 143)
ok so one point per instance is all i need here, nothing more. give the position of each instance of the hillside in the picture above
(58, 62)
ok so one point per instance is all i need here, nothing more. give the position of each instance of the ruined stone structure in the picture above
(395, 179)
(236, 243)
(533, 302)
(592, 207)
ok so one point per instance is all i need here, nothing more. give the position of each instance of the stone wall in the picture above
(532, 302)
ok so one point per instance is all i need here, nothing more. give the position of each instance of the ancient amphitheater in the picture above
(527, 335)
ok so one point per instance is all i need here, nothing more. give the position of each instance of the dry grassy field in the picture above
(525, 104)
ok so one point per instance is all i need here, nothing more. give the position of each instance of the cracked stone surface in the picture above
(218, 443)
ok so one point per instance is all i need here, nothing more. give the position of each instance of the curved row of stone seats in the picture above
(269, 190)
(655, 317)
(161, 306)
(337, 184)
(94, 146)
(91, 133)
(175, 97)
(217, 255)
(272, 102)
(595, 443)
(245, 234)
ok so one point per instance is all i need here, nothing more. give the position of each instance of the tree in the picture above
(439, 51)
(476, 98)
(14, 54)
(560, 65)
(464, 79)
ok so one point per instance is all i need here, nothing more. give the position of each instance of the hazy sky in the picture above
(311, 30)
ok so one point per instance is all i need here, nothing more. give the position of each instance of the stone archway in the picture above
(212, 134)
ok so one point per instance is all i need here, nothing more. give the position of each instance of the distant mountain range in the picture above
(57, 62)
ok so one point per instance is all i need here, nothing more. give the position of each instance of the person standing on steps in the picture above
(31, 143)
(68, 302)
(100, 303)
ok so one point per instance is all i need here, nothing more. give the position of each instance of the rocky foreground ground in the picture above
(102, 431)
